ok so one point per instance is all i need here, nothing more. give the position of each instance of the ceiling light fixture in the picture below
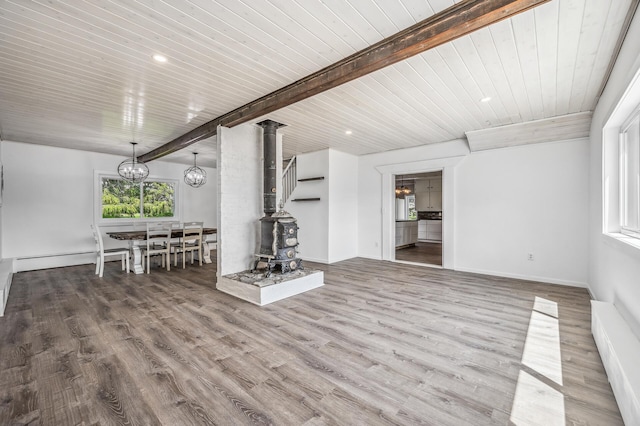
(160, 58)
(485, 99)
(133, 170)
(195, 176)
(403, 190)
(348, 132)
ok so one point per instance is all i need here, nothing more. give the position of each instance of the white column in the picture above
(239, 196)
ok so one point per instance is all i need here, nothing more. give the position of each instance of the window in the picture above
(630, 176)
(621, 170)
(120, 199)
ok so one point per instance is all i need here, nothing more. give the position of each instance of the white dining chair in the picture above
(190, 241)
(158, 243)
(101, 252)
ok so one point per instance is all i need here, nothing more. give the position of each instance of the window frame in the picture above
(98, 176)
(629, 122)
(627, 102)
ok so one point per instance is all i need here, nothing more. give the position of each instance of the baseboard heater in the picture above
(42, 256)
(53, 260)
(619, 349)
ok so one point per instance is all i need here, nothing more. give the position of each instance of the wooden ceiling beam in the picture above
(454, 22)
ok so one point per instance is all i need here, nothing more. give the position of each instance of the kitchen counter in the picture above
(430, 229)
(407, 220)
(406, 232)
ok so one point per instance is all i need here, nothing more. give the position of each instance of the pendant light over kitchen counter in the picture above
(402, 190)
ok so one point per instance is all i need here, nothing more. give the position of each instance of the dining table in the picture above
(137, 240)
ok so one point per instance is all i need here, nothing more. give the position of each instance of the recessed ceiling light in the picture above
(348, 132)
(159, 58)
(485, 99)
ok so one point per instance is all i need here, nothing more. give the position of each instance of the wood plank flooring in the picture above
(380, 343)
(428, 253)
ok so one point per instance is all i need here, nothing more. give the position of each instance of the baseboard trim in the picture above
(6, 277)
(546, 280)
(311, 259)
(371, 257)
(341, 259)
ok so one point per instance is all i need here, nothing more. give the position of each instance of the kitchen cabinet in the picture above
(430, 230)
(422, 230)
(435, 184)
(406, 233)
(434, 230)
(435, 200)
(429, 195)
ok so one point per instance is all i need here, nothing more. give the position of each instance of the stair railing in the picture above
(289, 179)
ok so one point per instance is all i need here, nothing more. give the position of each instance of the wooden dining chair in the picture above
(191, 241)
(101, 252)
(158, 243)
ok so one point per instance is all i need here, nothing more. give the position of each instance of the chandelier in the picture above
(195, 176)
(133, 170)
(402, 190)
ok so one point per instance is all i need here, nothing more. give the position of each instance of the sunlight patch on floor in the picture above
(535, 402)
(542, 345)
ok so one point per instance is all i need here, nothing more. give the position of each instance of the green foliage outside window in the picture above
(158, 199)
(121, 199)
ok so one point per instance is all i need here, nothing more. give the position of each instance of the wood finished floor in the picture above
(380, 343)
(428, 253)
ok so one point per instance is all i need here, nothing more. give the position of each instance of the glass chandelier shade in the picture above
(132, 169)
(195, 176)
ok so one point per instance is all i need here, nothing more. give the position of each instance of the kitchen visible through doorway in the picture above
(418, 218)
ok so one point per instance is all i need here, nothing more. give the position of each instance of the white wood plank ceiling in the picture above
(80, 74)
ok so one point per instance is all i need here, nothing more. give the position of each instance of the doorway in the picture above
(418, 218)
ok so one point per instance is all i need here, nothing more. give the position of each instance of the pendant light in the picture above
(195, 176)
(403, 190)
(133, 170)
(399, 190)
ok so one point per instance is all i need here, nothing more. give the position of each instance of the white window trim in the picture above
(97, 201)
(612, 171)
(633, 118)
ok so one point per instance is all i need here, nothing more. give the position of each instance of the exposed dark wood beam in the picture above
(450, 24)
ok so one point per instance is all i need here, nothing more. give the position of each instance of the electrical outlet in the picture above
(530, 256)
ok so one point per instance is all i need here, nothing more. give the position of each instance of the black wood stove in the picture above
(278, 230)
(278, 244)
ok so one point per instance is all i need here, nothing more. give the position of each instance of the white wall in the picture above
(48, 211)
(312, 216)
(240, 196)
(527, 199)
(508, 202)
(329, 227)
(343, 206)
(614, 268)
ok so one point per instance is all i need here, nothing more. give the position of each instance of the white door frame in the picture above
(447, 165)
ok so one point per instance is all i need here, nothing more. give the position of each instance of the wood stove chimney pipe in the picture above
(269, 169)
